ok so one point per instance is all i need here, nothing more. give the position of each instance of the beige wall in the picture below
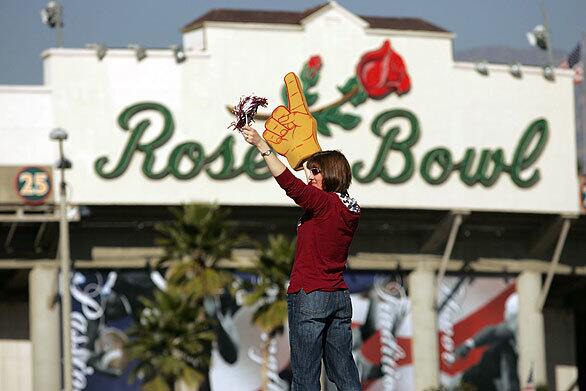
(15, 365)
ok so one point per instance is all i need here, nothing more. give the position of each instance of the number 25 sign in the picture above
(33, 185)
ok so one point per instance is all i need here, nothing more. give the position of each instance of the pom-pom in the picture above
(246, 109)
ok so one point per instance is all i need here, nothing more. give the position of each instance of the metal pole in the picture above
(65, 277)
(553, 263)
(547, 34)
(581, 108)
(448, 250)
(59, 28)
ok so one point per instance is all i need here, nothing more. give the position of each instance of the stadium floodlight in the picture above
(101, 50)
(481, 67)
(139, 51)
(548, 73)
(538, 37)
(178, 53)
(515, 70)
(51, 15)
(64, 164)
(58, 134)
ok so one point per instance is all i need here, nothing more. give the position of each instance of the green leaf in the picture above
(348, 121)
(157, 384)
(284, 96)
(192, 377)
(349, 85)
(307, 79)
(359, 98)
(168, 364)
(311, 98)
(271, 316)
(322, 124)
(256, 295)
(171, 334)
(272, 266)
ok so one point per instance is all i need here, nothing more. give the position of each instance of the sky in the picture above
(157, 23)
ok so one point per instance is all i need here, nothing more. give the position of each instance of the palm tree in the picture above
(194, 243)
(270, 296)
(174, 339)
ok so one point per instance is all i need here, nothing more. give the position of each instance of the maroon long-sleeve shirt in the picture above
(324, 234)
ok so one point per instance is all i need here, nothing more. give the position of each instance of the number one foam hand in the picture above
(292, 131)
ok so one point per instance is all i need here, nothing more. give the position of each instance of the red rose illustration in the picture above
(314, 65)
(383, 71)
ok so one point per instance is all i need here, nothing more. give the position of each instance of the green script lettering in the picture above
(441, 157)
(389, 143)
(188, 159)
(134, 141)
(523, 157)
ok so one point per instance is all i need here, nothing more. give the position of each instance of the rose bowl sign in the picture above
(378, 74)
(419, 130)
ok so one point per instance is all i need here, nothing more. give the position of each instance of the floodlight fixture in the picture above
(52, 14)
(548, 73)
(178, 53)
(515, 70)
(538, 37)
(139, 51)
(64, 164)
(58, 134)
(481, 67)
(101, 50)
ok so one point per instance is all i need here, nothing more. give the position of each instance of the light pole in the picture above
(52, 16)
(547, 35)
(60, 135)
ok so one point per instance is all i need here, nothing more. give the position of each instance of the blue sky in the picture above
(151, 23)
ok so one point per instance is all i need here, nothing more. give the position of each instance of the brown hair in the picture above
(335, 170)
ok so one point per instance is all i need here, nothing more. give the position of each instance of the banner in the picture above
(476, 322)
(104, 305)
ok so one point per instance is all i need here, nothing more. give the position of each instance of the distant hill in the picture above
(506, 55)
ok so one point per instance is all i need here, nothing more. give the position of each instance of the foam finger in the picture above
(295, 94)
(280, 113)
(290, 120)
(275, 127)
(271, 137)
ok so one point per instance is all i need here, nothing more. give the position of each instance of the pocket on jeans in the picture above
(347, 310)
(315, 303)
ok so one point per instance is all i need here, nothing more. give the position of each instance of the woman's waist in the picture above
(319, 265)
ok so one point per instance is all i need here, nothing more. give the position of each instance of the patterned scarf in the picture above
(350, 202)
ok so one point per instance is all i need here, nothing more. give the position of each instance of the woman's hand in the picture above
(251, 136)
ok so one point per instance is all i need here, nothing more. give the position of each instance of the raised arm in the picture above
(306, 196)
(273, 163)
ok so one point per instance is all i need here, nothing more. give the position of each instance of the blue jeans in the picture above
(319, 327)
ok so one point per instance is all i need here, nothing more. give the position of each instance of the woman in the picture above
(319, 305)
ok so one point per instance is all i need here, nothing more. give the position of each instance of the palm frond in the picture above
(171, 335)
(272, 267)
